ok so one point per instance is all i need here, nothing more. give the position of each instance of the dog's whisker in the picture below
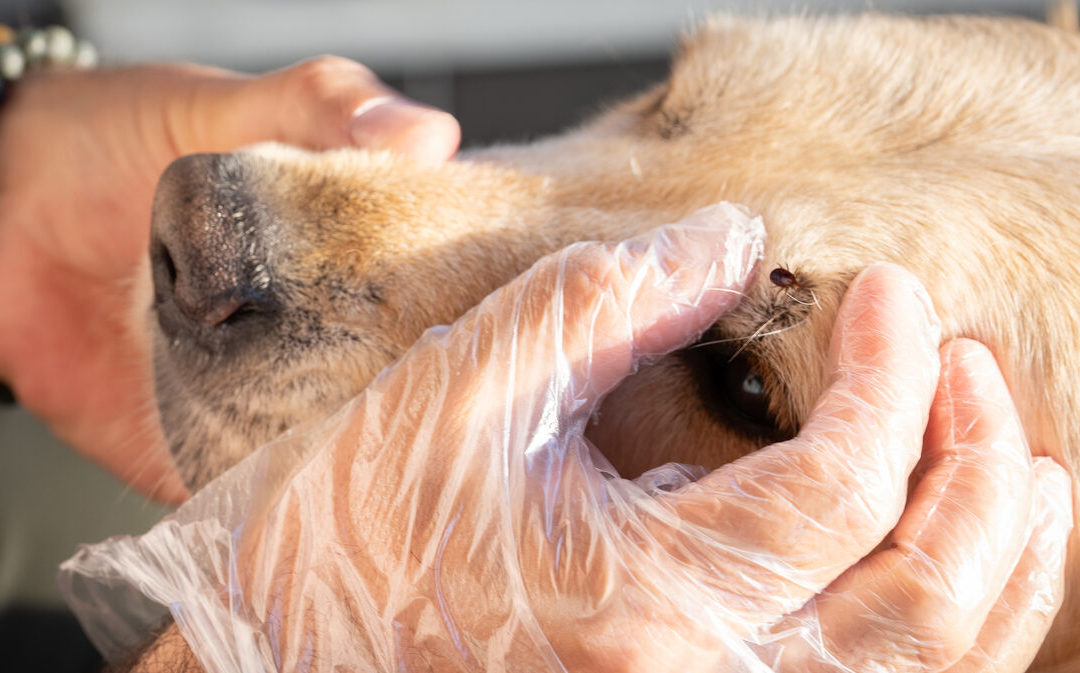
(749, 339)
(145, 424)
(715, 342)
(800, 301)
(726, 290)
(756, 335)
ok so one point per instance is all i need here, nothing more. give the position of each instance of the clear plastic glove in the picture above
(453, 517)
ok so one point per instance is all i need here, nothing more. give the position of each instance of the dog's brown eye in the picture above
(745, 390)
(733, 388)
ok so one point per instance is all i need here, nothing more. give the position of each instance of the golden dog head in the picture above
(284, 281)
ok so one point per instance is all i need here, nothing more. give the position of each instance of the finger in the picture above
(919, 604)
(1021, 618)
(322, 103)
(462, 425)
(596, 310)
(778, 525)
(524, 369)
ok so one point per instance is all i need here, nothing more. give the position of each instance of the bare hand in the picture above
(82, 152)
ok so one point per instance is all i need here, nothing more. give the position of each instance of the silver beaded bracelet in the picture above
(33, 48)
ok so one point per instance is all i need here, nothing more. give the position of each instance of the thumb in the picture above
(323, 103)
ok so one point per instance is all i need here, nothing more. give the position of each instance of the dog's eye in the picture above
(744, 387)
(733, 387)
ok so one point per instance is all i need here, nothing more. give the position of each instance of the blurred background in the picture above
(510, 70)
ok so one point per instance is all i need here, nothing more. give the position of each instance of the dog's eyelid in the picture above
(735, 384)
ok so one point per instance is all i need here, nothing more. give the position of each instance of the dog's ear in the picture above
(1062, 14)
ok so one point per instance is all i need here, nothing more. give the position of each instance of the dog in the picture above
(284, 281)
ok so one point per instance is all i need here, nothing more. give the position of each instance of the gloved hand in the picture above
(82, 153)
(452, 517)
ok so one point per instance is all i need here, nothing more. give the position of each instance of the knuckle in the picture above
(321, 75)
(937, 620)
(590, 263)
(875, 490)
(587, 273)
(571, 281)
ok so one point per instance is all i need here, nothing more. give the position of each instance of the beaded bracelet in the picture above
(37, 48)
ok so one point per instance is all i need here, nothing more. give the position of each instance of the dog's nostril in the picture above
(170, 266)
(163, 269)
(198, 292)
(219, 310)
(204, 302)
(243, 312)
(234, 310)
(209, 254)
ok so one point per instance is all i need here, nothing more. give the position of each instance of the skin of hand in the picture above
(82, 154)
(453, 517)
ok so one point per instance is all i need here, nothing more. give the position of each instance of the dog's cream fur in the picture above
(948, 145)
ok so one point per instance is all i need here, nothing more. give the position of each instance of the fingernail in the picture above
(975, 381)
(388, 123)
(930, 324)
(1055, 487)
(714, 247)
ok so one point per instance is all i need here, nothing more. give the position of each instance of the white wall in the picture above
(418, 35)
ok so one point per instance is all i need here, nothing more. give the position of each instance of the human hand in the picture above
(82, 152)
(453, 517)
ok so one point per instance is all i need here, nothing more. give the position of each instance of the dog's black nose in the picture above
(208, 252)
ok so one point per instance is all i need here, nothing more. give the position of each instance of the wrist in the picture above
(168, 654)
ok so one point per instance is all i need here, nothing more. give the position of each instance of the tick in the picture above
(781, 277)
(788, 281)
